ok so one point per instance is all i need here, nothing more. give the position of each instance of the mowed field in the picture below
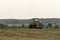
(29, 34)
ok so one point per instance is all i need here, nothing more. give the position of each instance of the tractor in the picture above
(35, 24)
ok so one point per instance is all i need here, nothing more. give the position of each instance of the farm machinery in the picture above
(36, 24)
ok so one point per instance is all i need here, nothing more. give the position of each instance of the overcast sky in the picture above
(21, 9)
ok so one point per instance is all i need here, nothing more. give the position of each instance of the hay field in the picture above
(29, 34)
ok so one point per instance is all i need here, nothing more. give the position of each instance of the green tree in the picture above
(49, 25)
(3, 26)
(23, 26)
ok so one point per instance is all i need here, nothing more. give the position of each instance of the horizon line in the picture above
(26, 18)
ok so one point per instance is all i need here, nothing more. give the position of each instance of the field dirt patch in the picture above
(29, 34)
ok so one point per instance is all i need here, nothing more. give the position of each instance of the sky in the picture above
(25, 9)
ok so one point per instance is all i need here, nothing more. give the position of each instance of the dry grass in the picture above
(29, 34)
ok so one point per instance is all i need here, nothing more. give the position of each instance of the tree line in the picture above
(49, 25)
